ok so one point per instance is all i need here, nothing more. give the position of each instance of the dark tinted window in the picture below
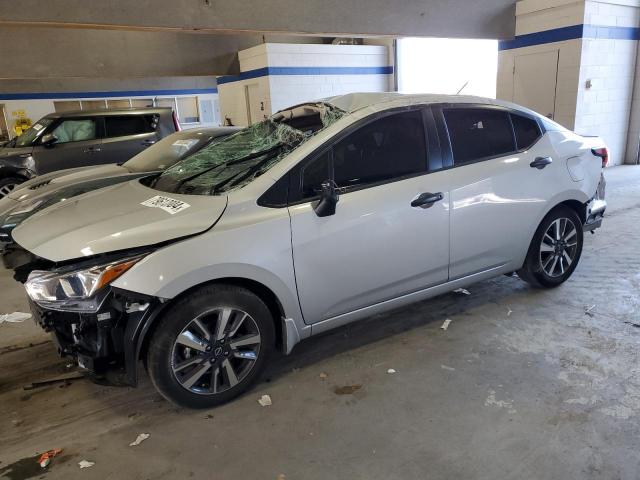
(478, 133)
(385, 149)
(527, 131)
(314, 174)
(120, 126)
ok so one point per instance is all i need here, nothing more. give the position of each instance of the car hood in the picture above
(14, 152)
(119, 217)
(54, 180)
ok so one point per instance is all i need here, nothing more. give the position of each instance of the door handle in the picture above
(541, 162)
(92, 150)
(427, 199)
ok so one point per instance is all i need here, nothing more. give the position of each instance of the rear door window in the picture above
(124, 125)
(478, 133)
(527, 131)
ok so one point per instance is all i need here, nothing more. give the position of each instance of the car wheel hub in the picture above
(559, 247)
(215, 351)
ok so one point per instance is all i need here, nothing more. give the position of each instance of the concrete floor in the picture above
(523, 385)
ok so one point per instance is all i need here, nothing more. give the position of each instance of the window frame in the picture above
(295, 193)
(541, 132)
(60, 120)
(445, 136)
(130, 135)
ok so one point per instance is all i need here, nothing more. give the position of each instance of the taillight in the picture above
(176, 123)
(603, 153)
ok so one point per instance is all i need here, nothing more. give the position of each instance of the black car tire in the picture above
(537, 266)
(9, 182)
(164, 345)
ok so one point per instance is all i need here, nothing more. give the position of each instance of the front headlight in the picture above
(74, 290)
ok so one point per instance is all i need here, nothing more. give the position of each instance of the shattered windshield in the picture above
(238, 159)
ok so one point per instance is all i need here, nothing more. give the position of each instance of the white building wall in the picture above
(596, 72)
(288, 74)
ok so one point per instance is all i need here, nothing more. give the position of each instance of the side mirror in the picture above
(326, 206)
(48, 140)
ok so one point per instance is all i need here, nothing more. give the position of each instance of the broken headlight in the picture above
(74, 290)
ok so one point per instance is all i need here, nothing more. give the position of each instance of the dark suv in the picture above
(81, 138)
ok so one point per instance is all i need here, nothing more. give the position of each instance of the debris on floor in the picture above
(391, 370)
(462, 291)
(265, 401)
(446, 324)
(588, 310)
(492, 401)
(445, 367)
(323, 375)
(141, 438)
(509, 312)
(46, 457)
(65, 379)
(635, 325)
(15, 317)
(86, 464)
(347, 389)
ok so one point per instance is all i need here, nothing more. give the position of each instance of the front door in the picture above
(78, 145)
(377, 246)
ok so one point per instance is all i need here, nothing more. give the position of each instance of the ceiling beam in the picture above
(437, 18)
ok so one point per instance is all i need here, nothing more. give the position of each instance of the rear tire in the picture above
(555, 249)
(8, 184)
(210, 346)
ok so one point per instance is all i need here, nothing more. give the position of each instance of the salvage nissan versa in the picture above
(325, 213)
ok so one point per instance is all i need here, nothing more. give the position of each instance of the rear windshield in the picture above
(236, 160)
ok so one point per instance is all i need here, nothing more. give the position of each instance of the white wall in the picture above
(604, 107)
(445, 65)
(279, 90)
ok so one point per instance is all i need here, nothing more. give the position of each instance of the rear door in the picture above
(78, 145)
(128, 134)
(376, 246)
(496, 195)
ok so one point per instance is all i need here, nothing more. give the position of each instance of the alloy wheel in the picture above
(215, 351)
(558, 247)
(7, 189)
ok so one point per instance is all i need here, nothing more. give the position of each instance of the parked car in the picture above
(49, 189)
(323, 214)
(60, 141)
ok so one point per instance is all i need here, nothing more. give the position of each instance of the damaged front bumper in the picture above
(106, 343)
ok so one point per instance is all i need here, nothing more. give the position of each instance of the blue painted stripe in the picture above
(266, 71)
(571, 33)
(123, 93)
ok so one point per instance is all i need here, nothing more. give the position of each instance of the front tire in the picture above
(8, 184)
(555, 249)
(210, 346)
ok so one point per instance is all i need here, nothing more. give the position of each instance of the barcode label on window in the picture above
(169, 205)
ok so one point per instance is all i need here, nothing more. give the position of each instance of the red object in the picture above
(176, 123)
(603, 153)
(46, 457)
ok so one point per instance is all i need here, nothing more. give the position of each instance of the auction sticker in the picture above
(169, 205)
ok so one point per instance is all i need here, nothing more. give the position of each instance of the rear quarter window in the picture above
(527, 131)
